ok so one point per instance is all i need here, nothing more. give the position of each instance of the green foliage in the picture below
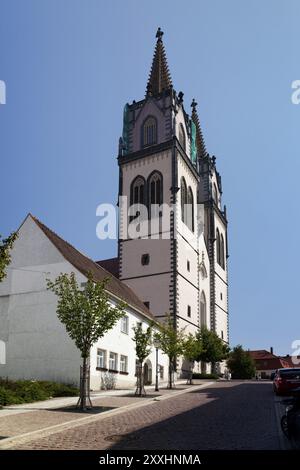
(170, 338)
(6, 245)
(192, 348)
(86, 312)
(142, 341)
(197, 375)
(213, 349)
(27, 391)
(240, 363)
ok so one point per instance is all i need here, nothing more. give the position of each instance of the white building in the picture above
(37, 344)
(181, 271)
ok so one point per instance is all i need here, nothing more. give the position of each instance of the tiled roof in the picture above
(86, 265)
(111, 265)
(261, 354)
(264, 360)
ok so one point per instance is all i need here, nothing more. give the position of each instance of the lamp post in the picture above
(156, 344)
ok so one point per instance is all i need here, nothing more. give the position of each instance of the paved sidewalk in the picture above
(225, 415)
(57, 414)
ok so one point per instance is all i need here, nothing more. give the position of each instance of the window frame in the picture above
(104, 366)
(126, 319)
(113, 369)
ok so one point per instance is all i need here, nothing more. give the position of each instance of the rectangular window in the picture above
(189, 311)
(125, 324)
(147, 304)
(113, 361)
(188, 266)
(123, 363)
(161, 371)
(222, 335)
(101, 358)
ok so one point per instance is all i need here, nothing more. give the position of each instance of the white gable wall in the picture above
(37, 344)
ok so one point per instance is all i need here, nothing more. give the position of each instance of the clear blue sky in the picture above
(71, 65)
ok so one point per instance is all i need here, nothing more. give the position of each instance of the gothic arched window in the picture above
(218, 241)
(183, 194)
(149, 131)
(202, 309)
(190, 209)
(222, 250)
(155, 189)
(181, 137)
(137, 193)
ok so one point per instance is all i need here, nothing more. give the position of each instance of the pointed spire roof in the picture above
(159, 78)
(199, 136)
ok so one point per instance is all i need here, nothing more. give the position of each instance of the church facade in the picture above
(178, 264)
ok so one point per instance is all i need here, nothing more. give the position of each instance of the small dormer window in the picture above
(149, 131)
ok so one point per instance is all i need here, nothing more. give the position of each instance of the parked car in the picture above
(273, 375)
(286, 380)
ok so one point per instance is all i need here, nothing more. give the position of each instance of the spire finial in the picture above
(159, 34)
(194, 104)
(159, 78)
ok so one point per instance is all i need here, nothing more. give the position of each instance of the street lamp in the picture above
(156, 344)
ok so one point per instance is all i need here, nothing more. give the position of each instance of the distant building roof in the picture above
(265, 360)
(111, 265)
(86, 265)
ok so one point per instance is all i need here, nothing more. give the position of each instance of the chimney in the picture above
(271, 349)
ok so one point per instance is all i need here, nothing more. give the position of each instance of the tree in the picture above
(213, 348)
(240, 363)
(171, 343)
(142, 341)
(192, 349)
(6, 245)
(87, 315)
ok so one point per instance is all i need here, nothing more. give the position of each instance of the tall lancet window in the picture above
(190, 209)
(218, 241)
(181, 137)
(222, 252)
(202, 309)
(155, 188)
(137, 193)
(149, 131)
(183, 191)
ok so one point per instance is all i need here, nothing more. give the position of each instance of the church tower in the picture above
(180, 267)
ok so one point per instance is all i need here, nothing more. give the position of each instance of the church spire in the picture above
(159, 78)
(199, 136)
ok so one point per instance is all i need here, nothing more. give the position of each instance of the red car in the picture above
(286, 380)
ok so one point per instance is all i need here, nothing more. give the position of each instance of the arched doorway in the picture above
(148, 372)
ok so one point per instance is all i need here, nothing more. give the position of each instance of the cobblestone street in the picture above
(234, 415)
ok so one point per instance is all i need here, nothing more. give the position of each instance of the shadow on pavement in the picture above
(232, 415)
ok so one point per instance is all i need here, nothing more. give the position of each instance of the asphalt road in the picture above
(227, 415)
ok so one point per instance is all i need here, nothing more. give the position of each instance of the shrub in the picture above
(26, 391)
(7, 397)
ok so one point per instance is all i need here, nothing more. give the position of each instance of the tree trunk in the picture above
(84, 396)
(170, 374)
(140, 390)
